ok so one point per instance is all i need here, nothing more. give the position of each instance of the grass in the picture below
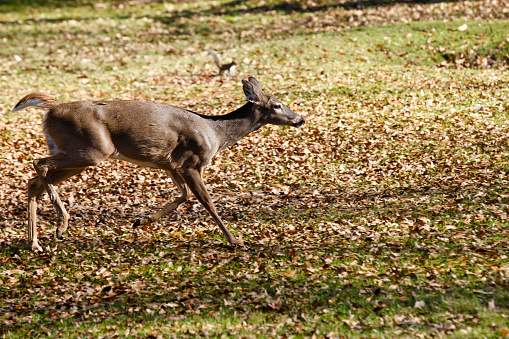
(384, 216)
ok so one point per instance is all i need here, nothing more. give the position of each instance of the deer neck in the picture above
(234, 126)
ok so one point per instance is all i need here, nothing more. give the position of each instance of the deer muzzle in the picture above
(299, 123)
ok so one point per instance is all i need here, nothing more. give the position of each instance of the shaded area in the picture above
(239, 7)
(127, 279)
(22, 5)
(180, 295)
(235, 7)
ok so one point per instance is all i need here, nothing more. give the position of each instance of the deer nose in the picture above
(300, 122)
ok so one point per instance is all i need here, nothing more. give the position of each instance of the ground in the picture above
(386, 215)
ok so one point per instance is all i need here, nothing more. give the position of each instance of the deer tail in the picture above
(37, 99)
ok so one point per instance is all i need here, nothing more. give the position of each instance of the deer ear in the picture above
(249, 91)
(255, 83)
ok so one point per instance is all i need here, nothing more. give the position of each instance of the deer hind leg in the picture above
(55, 169)
(35, 190)
(184, 196)
(45, 169)
(195, 182)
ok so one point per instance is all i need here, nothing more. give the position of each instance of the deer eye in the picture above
(277, 106)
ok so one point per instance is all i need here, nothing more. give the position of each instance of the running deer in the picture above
(181, 142)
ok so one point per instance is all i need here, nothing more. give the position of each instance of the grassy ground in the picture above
(386, 215)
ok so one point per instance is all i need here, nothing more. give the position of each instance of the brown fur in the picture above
(46, 99)
(179, 141)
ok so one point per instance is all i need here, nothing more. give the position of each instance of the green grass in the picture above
(384, 216)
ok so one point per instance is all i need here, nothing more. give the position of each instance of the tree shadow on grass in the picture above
(196, 298)
(217, 279)
(22, 5)
(231, 8)
(234, 8)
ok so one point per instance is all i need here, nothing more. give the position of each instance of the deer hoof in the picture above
(34, 247)
(235, 242)
(60, 234)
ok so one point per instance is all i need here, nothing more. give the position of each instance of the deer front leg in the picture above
(195, 182)
(184, 196)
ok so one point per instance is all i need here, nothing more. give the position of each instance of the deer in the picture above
(82, 134)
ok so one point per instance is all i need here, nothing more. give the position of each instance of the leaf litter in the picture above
(386, 214)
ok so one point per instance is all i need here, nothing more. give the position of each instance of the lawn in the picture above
(385, 215)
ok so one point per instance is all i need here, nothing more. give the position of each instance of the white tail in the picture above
(230, 68)
(179, 141)
(38, 99)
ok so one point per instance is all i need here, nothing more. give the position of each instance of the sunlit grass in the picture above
(384, 216)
